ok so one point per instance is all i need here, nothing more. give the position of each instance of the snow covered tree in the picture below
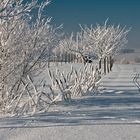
(77, 44)
(105, 40)
(23, 45)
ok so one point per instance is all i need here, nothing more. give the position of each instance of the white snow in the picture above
(119, 103)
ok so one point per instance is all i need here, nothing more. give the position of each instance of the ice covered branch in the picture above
(12, 8)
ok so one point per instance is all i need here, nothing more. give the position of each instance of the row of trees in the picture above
(103, 41)
(25, 42)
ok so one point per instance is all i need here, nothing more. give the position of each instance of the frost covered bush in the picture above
(23, 44)
(76, 82)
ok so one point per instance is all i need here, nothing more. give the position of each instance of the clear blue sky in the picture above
(72, 12)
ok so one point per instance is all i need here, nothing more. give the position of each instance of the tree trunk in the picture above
(83, 59)
(111, 63)
(105, 65)
(48, 62)
(65, 57)
(108, 62)
(100, 64)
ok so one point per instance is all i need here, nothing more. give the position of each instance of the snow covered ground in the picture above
(113, 113)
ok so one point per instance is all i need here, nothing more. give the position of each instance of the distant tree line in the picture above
(127, 50)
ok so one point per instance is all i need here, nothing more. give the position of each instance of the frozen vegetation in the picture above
(117, 102)
(50, 79)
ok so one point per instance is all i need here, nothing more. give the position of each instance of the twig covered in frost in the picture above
(135, 80)
(75, 82)
(12, 8)
(31, 100)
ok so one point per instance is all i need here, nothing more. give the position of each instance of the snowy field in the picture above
(115, 108)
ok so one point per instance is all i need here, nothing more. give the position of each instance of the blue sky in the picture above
(71, 13)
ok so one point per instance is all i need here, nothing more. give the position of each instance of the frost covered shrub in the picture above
(22, 47)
